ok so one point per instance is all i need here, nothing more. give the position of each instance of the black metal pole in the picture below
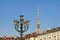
(21, 30)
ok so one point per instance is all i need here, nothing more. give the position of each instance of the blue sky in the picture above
(11, 9)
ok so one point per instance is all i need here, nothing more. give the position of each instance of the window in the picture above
(58, 38)
(49, 37)
(55, 37)
(44, 38)
(40, 39)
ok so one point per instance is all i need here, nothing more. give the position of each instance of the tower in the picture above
(38, 25)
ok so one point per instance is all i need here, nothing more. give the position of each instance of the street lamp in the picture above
(21, 26)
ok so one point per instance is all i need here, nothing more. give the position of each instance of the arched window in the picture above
(55, 37)
(40, 39)
(44, 38)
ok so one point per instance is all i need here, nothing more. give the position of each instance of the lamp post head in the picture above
(21, 19)
(26, 23)
(21, 16)
(16, 22)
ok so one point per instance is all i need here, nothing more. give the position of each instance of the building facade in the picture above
(53, 34)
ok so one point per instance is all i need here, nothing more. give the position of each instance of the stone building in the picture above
(53, 34)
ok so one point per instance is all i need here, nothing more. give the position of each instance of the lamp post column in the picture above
(22, 27)
(21, 31)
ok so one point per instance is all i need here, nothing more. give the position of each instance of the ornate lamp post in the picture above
(21, 26)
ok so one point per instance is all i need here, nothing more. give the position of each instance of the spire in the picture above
(38, 15)
(38, 25)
